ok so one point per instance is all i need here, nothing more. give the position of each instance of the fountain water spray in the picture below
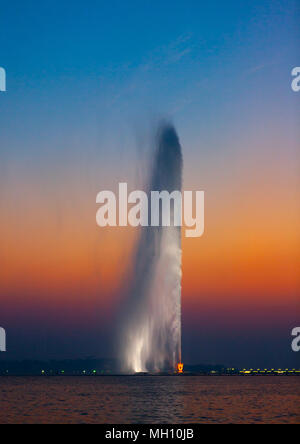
(152, 331)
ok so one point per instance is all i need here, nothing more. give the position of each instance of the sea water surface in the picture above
(150, 399)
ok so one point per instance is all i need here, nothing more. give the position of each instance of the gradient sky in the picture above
(85, 84)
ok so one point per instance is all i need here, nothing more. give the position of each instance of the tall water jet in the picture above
(152, 333)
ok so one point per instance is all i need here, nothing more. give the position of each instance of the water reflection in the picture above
(158, 399)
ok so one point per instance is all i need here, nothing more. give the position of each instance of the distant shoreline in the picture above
(112, 367)
(55, 375)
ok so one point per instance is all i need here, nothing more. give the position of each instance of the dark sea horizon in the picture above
(149, 400)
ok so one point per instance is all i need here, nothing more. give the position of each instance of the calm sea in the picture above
(150, 399)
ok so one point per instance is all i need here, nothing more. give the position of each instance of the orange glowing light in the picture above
(180, 367)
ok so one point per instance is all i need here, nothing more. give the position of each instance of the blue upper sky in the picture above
(83, 60)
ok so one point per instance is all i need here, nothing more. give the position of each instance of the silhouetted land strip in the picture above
(109, 367)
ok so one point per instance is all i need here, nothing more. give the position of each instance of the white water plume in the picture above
(151, 338)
